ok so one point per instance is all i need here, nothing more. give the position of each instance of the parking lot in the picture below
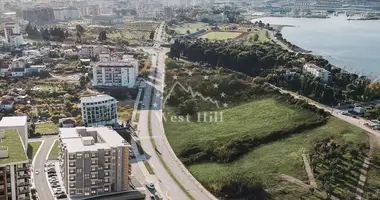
(55, 181)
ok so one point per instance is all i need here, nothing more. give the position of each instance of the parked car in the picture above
(61, 196)
(149, 184)
(37, 172)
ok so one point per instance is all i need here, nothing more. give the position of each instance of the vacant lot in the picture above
(257, 118)
(124, 111)
(54, 151)
(220, 35)
(193, 27)
(46, 128)
(266, 163)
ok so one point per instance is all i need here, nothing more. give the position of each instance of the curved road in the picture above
(41, 182)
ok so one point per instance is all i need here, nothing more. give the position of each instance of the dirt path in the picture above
(309, 171)
(305, 186)
(364, 169)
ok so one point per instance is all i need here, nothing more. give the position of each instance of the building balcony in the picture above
(23, 176)
(22, 169)
(24, 191)
(23, 184)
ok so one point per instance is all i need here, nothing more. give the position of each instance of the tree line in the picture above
(272, 62)
(53, 33)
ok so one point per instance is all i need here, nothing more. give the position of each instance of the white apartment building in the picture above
(61, 14)
(14, 172)
(100, 110)
(13, 35)
(111, 73)
(94, 161)
(316, 71)
(89, 51)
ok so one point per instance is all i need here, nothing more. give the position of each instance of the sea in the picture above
(353, 45)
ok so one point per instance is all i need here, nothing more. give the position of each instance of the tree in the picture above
(151, 36)
(255, 37)
(102, 36)
(145, 72)
(188, 107)
(188, 32)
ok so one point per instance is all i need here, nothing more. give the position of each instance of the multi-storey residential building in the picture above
(14, 173)
(94, 161)
(18, 123)
(122, 73)
(99, 110)
(316, 71)
(13, 35)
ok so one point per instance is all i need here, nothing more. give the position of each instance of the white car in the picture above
(149, 185)
(37, 172)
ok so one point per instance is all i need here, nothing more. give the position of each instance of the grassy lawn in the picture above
(260, 117)
(54, 151)
(220, 35)
(12, 142)
(33, 148)
(191, 27)
(260, 33)
(267, 162)
(47, 128)
(124, 111)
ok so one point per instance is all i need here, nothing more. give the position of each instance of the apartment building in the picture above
(13, 35)
(19, 123)
(316, 71)
(121, 73)
(94, 161)
(100, 110)
(14, 172)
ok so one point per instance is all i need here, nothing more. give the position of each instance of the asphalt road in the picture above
(40, 180)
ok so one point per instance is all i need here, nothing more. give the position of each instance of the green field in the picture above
(260, 33)
(46, 128)
(220, 35)
(54, 151)
(193, 27)
(267, 162)
(263, 164)
(33, 148)
(259, 117)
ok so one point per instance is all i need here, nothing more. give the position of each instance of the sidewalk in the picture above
(136, 105)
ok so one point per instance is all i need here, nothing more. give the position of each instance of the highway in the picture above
(41, 182)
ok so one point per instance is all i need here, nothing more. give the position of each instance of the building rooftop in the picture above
(77, 139)
(96, 98)
(13, 143)
(13, 121)
(115, 64)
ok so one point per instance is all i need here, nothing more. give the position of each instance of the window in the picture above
(93, 169)
(86, 155)
(72, 185)
(72, 156)
(106, 173)
(87, 176)
(106, 189)
(93, 155)
(72, 164)
(79, 170)
(72, 178)
(93, 191)
(79, 191)
(72, 192)
(72, 171)
(93, 175)
(79, 156)
(93, 182)
(106, 180)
